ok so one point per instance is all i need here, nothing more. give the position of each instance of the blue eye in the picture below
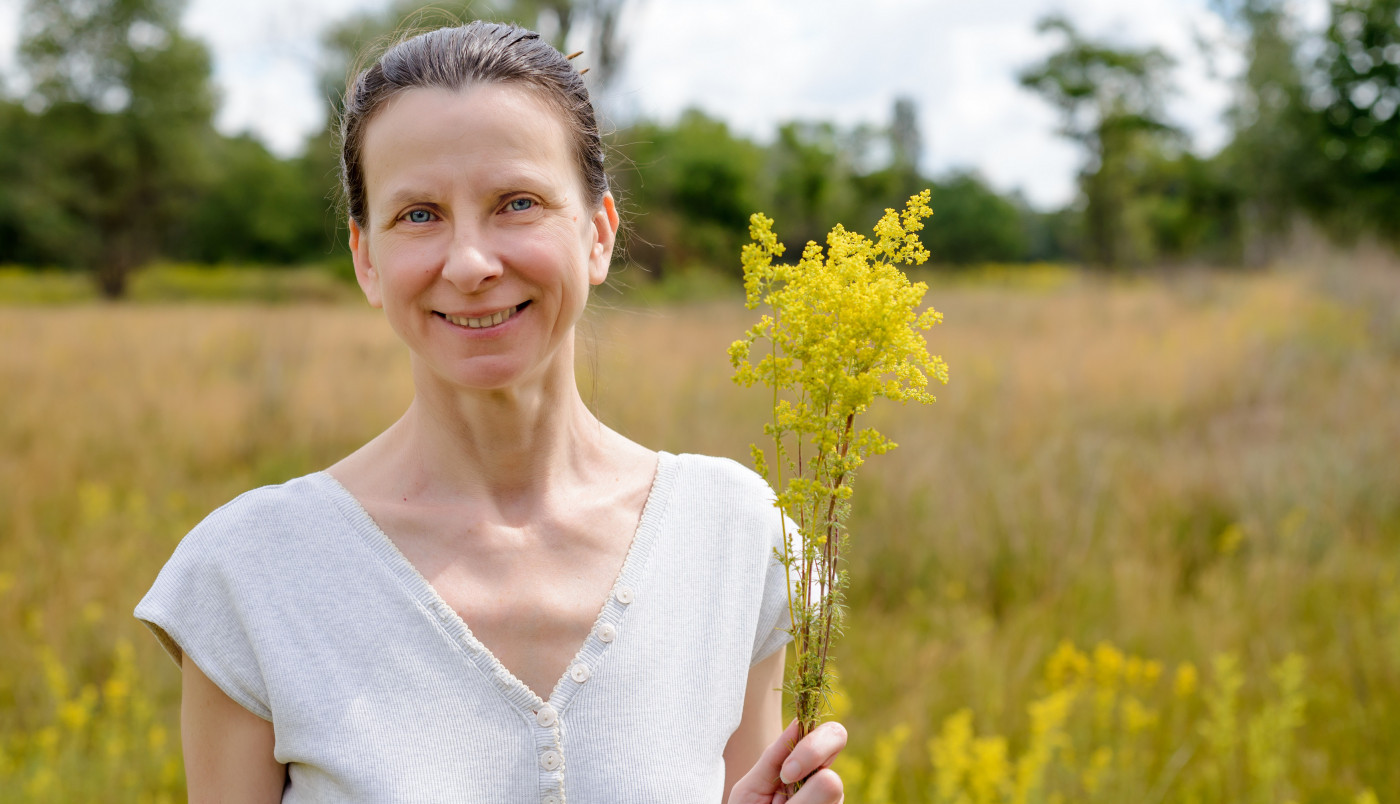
(419, 216)
(520, 204)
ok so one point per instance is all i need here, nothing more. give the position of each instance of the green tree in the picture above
(906, 143)
(126, 121)
(1109, 100)
(686, 191)
(258, 208)
(16, 158)
(873, 188)
(971, 223)
(1360, 119)
(1188, 208)
(812, 173)
(1273, 147)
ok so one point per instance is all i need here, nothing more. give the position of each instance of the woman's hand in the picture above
(783, 762)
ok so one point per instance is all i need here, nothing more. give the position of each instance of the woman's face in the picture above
(479, 243)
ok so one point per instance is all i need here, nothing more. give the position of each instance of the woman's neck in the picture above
(510, 445)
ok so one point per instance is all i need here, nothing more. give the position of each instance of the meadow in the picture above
(1144, 548)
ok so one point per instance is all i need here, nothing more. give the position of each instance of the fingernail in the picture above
(788, 774)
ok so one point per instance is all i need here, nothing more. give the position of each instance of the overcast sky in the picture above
(757, 62)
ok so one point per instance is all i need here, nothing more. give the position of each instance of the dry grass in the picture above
(1180, 468)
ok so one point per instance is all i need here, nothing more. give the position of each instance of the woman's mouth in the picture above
(494, 319)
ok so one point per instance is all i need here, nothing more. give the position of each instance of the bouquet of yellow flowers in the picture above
(844, 328)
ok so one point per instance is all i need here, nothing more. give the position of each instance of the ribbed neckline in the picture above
(431, 603)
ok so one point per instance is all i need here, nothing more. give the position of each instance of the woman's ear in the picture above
(364, 269)
(605, 223)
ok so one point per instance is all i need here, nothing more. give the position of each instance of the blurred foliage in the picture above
(113, 140)
(1271, 127)
(1110, 102)
(1360, 127)
(258, 209)
(184, 282)
(108, 161)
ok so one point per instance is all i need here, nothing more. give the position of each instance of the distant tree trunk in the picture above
(124, 250)
(1100, 217)
(111, 279)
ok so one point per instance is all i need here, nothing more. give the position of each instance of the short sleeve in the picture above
(198, 606)
(774, 623)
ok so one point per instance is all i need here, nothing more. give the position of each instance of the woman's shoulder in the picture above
(268, 512)
(723, 489)
(278, 499)
(722, 473)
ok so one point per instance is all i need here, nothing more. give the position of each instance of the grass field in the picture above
(1146, 546)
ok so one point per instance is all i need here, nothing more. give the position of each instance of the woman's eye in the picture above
(520, 204)
(419, 216)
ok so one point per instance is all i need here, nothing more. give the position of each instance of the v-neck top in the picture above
(295, 603)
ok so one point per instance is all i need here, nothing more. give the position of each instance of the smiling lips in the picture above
(492, 320)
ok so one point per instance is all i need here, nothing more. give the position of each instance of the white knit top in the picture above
(299, 608)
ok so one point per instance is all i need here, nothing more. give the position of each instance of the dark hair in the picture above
(455, 58)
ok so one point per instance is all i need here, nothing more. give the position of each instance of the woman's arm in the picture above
(761, 722)
(228, 750)
(759, 758)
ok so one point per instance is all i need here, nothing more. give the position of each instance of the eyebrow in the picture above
(403, 196)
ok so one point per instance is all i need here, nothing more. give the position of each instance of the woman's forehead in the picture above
(485, 129)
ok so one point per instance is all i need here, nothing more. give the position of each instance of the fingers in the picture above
(760, 784)
(822, 787)
(771, 760)
(783, 762)
(815, 752)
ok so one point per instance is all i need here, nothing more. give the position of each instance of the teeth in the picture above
(484, 321)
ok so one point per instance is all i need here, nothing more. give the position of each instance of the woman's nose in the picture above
(471, 262)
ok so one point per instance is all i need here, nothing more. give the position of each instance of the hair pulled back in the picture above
(456, 58)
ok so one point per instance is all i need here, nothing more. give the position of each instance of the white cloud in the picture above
(265, 62)
(9, 41)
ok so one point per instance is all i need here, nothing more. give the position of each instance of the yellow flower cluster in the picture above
(102, 742)
(1113, 727)
(844, 329)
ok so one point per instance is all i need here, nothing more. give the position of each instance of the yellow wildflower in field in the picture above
(1066, 666)
(1110, 730)
(75, 713)
(1048, 716)
(1109, 664)
(1098, 763)
(1186, 680)
(1137, 717)
(951, 754)
(990, 774)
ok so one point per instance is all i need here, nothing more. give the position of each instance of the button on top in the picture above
(623, 595)
(579, 673)
(550, 760)
(607, 632)
(546, 716)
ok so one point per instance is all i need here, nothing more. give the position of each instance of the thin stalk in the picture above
(778, 463)
(833, 545)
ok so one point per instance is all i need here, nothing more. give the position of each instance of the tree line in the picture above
(109, 158)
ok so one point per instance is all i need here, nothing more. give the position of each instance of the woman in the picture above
(498, 598)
